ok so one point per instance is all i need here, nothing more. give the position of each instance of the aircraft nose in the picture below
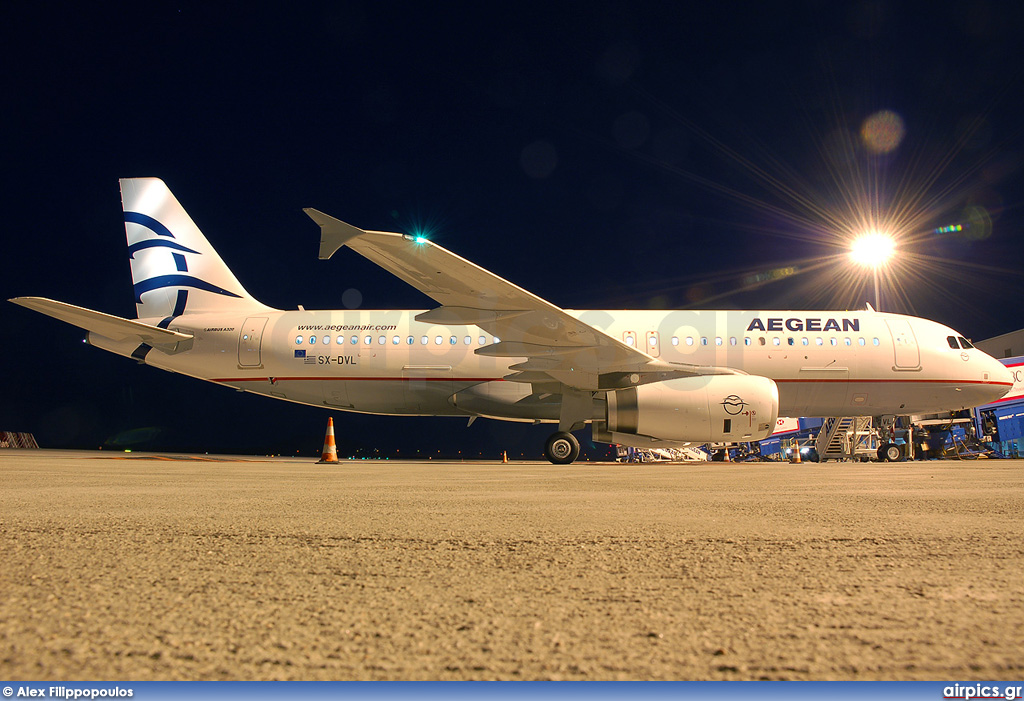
(999, 378)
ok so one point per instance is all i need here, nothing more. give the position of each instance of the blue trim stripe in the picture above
(148, 222)
(179, 263)
(153, 243)
(179, 309)
(161, 281)
(179, 304)
(141, 352)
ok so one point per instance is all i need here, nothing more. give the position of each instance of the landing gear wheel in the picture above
(890, 452)
(562, 448)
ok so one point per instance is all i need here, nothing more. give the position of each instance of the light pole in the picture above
(873, 249)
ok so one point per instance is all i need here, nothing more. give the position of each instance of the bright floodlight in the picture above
(872, 249)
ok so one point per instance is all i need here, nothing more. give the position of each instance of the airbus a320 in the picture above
(492, 349)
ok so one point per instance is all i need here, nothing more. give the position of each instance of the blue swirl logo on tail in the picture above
(162, 281)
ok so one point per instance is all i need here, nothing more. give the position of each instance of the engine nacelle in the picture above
(704, 409)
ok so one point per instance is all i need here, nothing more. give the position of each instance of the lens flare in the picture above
(883, 132)
(860, 178)
(873, 249)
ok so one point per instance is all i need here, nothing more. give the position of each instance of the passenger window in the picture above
(718, 340)
(425, 340)
(312, 340)
(964, 343)
(468, 340)
(483, 340)
(791, 340)
(848, 341)
(874, 341)
(675, 340)
(732, 340)
(689, 340)
(340, 340)
(819, 341)
(860, 341)
(776, 341)
(409, 341)
(452, 341)
(746, 340)
(383, 340)
(951, 340)
(327, 340)
(835, 341)
(652, 341)
(355, 340)
(368, 340)
(438, 340)
(630, 340)
(805, 340)
(761, 340)
(298, 340)
(703, 340)
(396, 340)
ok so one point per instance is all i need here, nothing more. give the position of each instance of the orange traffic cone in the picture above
(796, 459)
(504, 456)
(330, 451)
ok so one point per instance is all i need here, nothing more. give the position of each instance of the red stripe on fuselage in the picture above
(363, 379)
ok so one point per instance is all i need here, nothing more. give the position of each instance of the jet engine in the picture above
(703, 409)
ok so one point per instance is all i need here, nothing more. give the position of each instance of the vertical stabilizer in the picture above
(175, 270)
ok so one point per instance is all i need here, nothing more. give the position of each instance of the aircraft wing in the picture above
(112, 327)
(556, 345)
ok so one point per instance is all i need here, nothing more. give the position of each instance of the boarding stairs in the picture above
(17, 439)
(845, 438)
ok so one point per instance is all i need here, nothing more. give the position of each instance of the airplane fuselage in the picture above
(384, 362)
(643, 378)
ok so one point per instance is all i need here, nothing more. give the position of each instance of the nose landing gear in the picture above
(890, 452)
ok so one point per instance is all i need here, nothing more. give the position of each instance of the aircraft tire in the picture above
(562, 448)
(890, 452)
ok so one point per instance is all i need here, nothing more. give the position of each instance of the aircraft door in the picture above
(907, 352)
(653, 346)
(249, 342)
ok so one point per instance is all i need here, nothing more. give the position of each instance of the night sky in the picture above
(601, 155)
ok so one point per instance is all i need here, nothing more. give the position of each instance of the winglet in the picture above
(334, 233)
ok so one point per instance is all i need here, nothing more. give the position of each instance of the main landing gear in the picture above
(562, 448)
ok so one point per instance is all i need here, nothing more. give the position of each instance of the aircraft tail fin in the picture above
(175, 270)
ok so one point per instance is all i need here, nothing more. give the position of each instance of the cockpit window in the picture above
(964, 343)
(951, 340)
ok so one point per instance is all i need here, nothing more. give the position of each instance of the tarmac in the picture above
(127, 567)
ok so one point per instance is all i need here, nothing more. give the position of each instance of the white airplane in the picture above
(640, 378)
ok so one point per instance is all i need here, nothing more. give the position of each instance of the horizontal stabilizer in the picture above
(107, 325)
